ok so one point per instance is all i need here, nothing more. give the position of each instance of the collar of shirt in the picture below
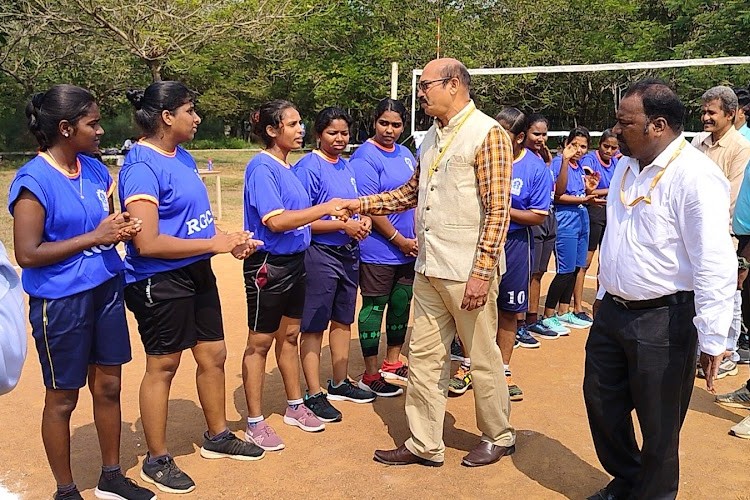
(728, 137)
(453, 122)
(661, 160)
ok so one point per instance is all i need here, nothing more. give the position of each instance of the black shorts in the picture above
(544, 242)
(377, 280)
(274, 287)
(597, 223)
(176, 309)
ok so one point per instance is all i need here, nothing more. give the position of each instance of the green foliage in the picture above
(239, 53)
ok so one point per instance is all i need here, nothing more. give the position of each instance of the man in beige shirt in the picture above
(720, 141)
(724, 144)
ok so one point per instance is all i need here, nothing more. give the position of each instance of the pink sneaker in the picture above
(263, 435)
(303, 418)
(397, 372)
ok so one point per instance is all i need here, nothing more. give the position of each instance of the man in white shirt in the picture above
(12, 325)
(668, 273)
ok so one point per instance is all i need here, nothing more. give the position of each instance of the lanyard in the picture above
(435, 163)
(647, 197)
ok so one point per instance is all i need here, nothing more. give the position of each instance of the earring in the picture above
(65, 134)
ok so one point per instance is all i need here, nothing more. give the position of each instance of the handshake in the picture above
(341, 208)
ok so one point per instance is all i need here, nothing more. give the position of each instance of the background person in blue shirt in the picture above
(65, 232)
(571, 193)
(332, 264)
(278, 210)
(600, 162)
(171, 287)
(386, 271)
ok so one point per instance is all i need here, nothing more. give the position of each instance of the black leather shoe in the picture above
(606, 493)
(402, 456)
(486, 453)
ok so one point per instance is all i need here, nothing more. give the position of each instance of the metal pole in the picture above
(394, 80)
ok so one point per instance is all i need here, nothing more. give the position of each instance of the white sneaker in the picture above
(741, 430)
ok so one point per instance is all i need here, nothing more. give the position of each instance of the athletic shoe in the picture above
(401, 373)
(121, 488)
(380, 387)
(322, 409)
(516, 343)
(540, 330)
(583, 315)
(261, 434)
(303, 418)
(726, 368)
(230, 446)
(553, 323)
(165, 474)
(73, 495)
(737, 399)
(524, 339)
(741, 430)
(348, 392)
(460, 382)
(457, 352)
(516, 394)
(571, 320)
(743, 349)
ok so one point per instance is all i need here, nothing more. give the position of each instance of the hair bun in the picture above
(135, 97)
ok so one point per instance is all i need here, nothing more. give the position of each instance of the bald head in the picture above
(448, 67)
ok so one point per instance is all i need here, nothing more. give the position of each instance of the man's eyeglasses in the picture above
(425, 85)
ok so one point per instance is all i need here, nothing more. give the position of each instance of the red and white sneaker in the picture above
(394, 371)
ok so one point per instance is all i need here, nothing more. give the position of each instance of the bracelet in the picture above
(742, 263)
(395, 233)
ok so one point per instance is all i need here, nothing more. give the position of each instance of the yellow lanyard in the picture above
(647, 197)
(435, 163)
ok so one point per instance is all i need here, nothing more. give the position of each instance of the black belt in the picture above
(667, 300)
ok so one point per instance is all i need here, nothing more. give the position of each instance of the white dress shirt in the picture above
(678, 242)
(12, 325)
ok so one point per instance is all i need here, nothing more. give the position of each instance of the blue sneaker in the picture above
(542, 331)
(553, 323)
(571, 320)
(524, 339)
(585, 317)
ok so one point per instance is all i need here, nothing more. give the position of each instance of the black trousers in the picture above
(643, 361)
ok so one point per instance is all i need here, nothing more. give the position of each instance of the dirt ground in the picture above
(555, 457)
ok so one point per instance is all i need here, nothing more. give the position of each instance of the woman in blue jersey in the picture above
(332, 264)
(171, 287)
(65, 233)
(386, 272)
(544, 234)
(572, 192)
(278, 210)
(599, 163)
(531, 185)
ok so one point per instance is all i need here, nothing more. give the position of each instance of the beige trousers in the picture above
(437, 318)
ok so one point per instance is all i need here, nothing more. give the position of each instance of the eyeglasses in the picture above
(425, 85)
(647, 197)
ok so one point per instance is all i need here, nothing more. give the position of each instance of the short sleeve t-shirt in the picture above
(576, 185)
(530, 186)
(377, 170)
(324, 179)
(593, 161)
(74, 204)
(170, 180)
(270, 188)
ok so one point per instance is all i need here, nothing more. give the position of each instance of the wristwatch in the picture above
(742, 263)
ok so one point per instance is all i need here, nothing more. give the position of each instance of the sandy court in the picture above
(555, 457)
